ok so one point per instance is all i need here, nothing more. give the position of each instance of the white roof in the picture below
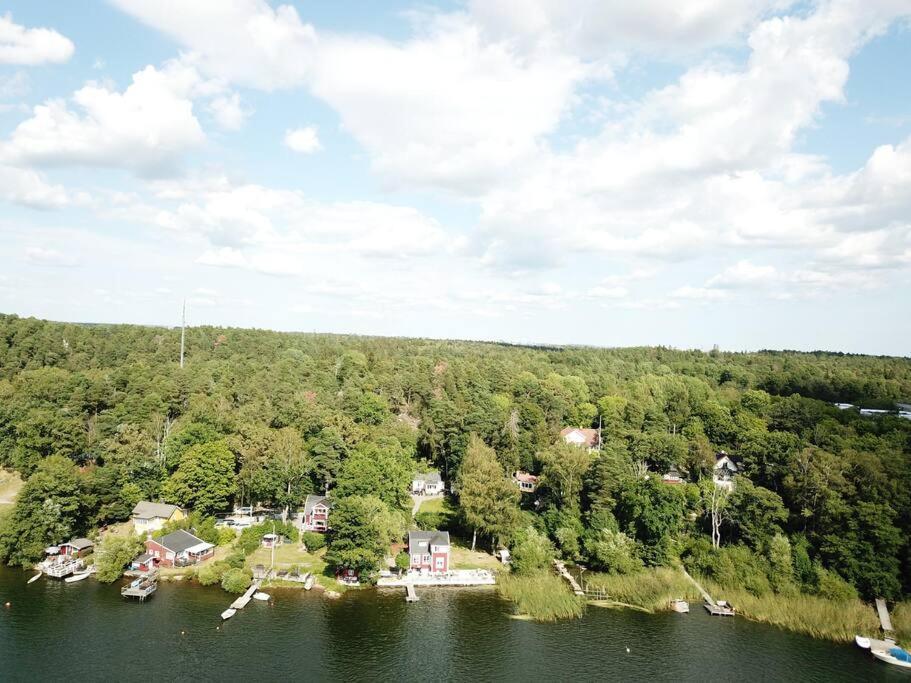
(199, 548)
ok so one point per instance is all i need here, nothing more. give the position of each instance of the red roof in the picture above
(526, 477)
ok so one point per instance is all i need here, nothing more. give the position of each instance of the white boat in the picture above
(681, 606)
(862, 642)
(77, 577)
(35, 577)
(261, 596)
(228, 613)
(308, 582)
(895, 656)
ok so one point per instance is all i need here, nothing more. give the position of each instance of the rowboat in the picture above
(35, 577)
(77, 577)
(228, 613)
(261, 596)
(308, 582)
(681, 606)
(895, 656)
(862, 642)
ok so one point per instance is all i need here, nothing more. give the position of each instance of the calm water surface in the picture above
(86, 631)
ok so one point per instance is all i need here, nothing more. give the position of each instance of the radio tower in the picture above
(183, 330)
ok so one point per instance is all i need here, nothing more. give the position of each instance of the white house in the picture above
(582, 437)
(725, 470)
(427, 483)
(526, 482)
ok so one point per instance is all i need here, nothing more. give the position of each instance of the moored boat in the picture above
(895, 656)
(261, 596)
(35, 577)
(77, 577)
(862, 642)
(228, 613)
(308, 582)
(681, 606)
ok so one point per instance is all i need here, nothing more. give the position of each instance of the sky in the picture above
(723, 172)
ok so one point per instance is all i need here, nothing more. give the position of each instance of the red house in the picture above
(316, 513)
(429, 551)
(178, 549)
(77, 547)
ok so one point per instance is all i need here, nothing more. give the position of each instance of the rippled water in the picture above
(87, 631)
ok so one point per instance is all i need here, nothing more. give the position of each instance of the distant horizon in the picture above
(539, 345)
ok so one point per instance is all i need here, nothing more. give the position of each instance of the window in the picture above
(440, 562)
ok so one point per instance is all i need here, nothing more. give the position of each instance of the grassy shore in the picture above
(541, 597)
(807, 614)
(651, 590)
(901, 620)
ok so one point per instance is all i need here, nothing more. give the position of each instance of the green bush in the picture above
(211, 573)
(113, 554)
(237, 559)
(831, 586)
(236, 580)
(226, 536)
(403, 561)
(313, 540)
(531, 552)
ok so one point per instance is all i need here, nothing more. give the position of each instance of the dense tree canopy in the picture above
(97, 417)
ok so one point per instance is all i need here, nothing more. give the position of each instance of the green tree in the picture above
(564, 468)
(531, 551)
(113, 554)
(363, 528)
(204, 479)
(488, 500)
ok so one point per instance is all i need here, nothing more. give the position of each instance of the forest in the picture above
(98, 417)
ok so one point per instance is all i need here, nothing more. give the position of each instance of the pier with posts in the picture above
(141, 588)
(564, 572)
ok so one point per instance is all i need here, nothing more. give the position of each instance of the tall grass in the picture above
(541, 596)
(808, 614)
(901, 620)
(651, 590)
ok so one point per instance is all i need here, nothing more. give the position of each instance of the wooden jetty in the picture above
(717, 608)
(142, 588)
(58, 570)
(244, 599)
(884, 620)
(564, 572)
(410, 594)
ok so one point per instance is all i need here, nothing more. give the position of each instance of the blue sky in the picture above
(533, 171)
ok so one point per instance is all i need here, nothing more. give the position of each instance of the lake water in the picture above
(87, 631)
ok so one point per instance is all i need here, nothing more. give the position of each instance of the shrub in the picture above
(236, 580)
(613, 552)
(403, 561)
(114, 553)
(226, 536)
(211, 573)
(313, 540)
(832, 587)
(531, 552)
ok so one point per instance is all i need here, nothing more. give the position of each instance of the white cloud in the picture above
(50, 257)
(229, 112)
(698, 293)
(243, 41)
(304, 140)
(146, 128)
(28, 188)
(30, 46)
(745, 274)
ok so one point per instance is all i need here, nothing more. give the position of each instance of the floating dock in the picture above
(244, 599)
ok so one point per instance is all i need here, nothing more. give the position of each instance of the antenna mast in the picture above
(183, 329)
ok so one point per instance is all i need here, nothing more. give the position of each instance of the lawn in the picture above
(464, 558)
(10, 483)
(291, 556)
(436, 505)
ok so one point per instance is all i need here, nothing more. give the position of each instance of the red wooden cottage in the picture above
(429, 551)
(316, 513)
(178, 549)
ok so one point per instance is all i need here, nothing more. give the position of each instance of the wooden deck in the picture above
(410, 594)
(141, 588)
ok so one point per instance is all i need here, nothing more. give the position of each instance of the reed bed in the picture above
(901, 620)
(541, 596)
(650, 590)
(807, 614)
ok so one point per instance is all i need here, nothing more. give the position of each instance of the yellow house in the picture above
(150, 517)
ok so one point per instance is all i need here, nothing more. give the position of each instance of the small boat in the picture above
(308, 582)
(862, 642)
(896, 656)
(228, 613)
(261, 596)
(35, 577)
(681, 606)
(77, 577)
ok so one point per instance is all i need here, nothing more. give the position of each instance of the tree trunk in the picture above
(474, 537)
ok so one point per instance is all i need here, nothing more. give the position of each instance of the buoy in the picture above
(627, 650)
(7, 604)
(183, 633)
